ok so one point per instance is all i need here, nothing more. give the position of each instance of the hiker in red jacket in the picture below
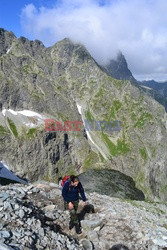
(70, 192)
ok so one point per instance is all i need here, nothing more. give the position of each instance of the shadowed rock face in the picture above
(53, 81)
(118, 68)
(110, 182)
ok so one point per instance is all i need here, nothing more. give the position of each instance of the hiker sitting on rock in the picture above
(70, 192)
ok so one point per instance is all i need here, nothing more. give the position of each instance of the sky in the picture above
(137, 28)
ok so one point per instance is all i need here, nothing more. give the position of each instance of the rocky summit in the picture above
(33, 217)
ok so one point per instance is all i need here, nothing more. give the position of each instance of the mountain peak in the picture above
(68, 48)
(2, 31)
(6, 39)
(118, 68)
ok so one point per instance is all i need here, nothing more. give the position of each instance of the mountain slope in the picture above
(161, 87)
(157, 90)
(64, 82)
(118, 68)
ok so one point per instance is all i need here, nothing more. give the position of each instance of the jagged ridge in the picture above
(52, 81)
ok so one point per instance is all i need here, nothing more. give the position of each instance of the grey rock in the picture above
(21, 213)
(4, 234)
(35, 190)
(30, 221)
(49, 208)
(1, 203)
(41, 232)
(16, 234)
(5, 247)
(87, 245)
(7, 206)
(93, 236)
(160, 242)
(4, 197)
(37, 224)
(91, 224)
(16, 207)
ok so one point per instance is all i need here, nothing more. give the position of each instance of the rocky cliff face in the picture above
(26, 84)
(110, 182)
(64, 82)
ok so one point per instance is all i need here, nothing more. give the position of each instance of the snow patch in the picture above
(79, 107)
(32, 125)
(38, 118)
(99, 149)
(12, 111)
(4, 111)
(146, 87)
(89, 137)
(8, 50)
(30, 113)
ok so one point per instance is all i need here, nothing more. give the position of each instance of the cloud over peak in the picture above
(136, 27)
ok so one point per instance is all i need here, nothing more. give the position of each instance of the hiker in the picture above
(70, 192)
(119, 247)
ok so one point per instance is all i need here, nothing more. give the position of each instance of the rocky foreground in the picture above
(32, 217)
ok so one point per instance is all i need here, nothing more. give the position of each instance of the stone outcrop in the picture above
(110, 182)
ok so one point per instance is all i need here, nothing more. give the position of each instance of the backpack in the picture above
(65, 178)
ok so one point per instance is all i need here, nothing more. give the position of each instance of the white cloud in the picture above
(136, 27)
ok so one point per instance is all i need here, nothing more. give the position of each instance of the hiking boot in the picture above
(71, 225)
(78, 229)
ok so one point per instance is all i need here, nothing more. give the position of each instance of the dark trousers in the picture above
(73, 212)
